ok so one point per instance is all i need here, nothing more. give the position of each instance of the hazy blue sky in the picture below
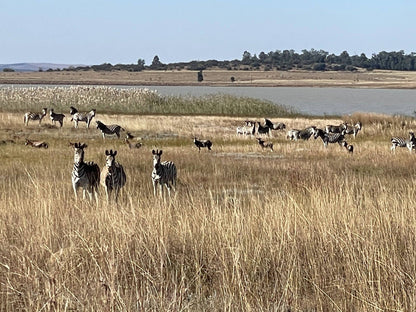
(98, 31)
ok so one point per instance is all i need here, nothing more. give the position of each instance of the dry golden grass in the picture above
(298, 229)
(359, 79)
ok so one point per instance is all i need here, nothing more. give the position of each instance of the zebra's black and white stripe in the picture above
(402, 142)
(262, 129)
(85, 175)
(35, 116)
(329, 137)
(109, 129)
(335, 129)
(84, 117)
(56, 117)
(274, 126)
(164, 173)
(306, 133)
(113, 176)
(353, 129)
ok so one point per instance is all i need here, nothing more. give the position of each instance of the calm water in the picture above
(311, 101)
(316, 101)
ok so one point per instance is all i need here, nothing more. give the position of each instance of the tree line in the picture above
(316, 60)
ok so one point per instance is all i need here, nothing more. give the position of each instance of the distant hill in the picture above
(30, 67)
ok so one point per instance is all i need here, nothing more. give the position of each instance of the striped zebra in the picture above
(56, 117)
(35, 116)
(274, 126)
(402, 142)
(202, 143)
(84, 117)
(263, 129)
(85, 175)
(353, 129)
(163, 173)
(336, 129)
(109, 129)
(329, 137)
(113, 176)
(306, 133)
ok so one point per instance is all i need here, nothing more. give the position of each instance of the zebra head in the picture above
(110, 158)
(78, 151)
(44, 111)
(99, 125)
(156, 157)
(73, 110)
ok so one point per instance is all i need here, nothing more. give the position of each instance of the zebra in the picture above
(306, 133)
(335, 129)
(84, 117)
(293, 134)
(56, 117)
(329, 137)
(353, 129)
(263, 129)
(202, 143)
(246, 130)
(348, 147)
(274, 126)
(109, 129)
(34, 116)
(38, 144)
(402, 142)
(85, 175)
(265, 144)
(113, 176)
(163, 173)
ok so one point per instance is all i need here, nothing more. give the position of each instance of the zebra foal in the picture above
(109, 129)
(56, 117)
(113, 176)
(164, 173)
(265, 144)
(84, 117)
(34, 116)
(402, 142)
(85, 175)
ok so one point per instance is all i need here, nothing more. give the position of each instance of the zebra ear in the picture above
(160, 152)
(84, 145)
(115, 153)
(106, 152)
(153, 152)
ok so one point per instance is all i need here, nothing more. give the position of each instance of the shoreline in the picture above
(219, 78)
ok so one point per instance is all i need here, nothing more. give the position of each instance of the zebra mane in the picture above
(73, 110)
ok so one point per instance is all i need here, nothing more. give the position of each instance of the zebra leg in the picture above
(75, 191)
(161, 189)
(168, 188)
(393, 148)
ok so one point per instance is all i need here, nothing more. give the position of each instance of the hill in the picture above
(31, 67)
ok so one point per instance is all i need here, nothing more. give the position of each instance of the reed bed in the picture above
(302, 228)
(133, 101)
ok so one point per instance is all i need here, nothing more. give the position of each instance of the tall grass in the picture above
(300, 229)
(134, 101)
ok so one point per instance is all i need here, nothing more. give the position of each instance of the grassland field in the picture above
(303, 228)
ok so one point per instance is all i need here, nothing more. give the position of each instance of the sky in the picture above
(91, 32)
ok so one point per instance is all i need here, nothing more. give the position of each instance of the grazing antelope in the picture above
(85, 175)
(38, 144)
(348, 147)
(109, 129)
(133, 145)
(56, 117)
(202, 143)
(164, 173)
(35, 116)
(113, 176)
(265, 144)
(84, 117)
(402, 142)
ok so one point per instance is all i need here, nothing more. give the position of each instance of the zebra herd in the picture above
(88, 176)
